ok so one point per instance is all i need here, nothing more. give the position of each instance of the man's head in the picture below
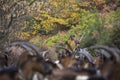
(72, 37)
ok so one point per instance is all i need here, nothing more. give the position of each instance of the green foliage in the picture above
(63, 12)
(60, 38)
(51, 14)
(79, 17)
(92, 26)
(110, 33)
(37, 41)
(92, 30)
(116, 28)
(105, 37)
(88, 23)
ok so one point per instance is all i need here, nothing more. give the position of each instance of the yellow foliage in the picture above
(77, 9)
(74, 5)
(23, 35)
(38, 18)
(84, 11)
(36, 26)
(60, 21)
(55, 4)
(46, 15)
(97, 2)
(85, 3)
(26, 34)
(65, 12)
(74, 15)
(34, 32)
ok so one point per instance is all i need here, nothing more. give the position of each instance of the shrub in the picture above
(116, 28)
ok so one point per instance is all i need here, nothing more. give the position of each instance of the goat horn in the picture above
(20, 44)
(32, 46)
(28, 46)
(117, 50)
(109, 49)
(87, 54)
(105, 53)
(44, 53)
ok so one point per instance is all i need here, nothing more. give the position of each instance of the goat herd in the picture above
(24, 61)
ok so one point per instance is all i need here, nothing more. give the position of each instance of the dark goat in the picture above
(65, 74)
(84, 53)
(99, 57)
(106, 71)
(111, 65)
(73, 74)
(27, 67)
(15, 49)
(32, 63)
(68, 58)
(112, 51)
(8, 73)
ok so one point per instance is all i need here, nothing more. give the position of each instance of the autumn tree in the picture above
(13, 15)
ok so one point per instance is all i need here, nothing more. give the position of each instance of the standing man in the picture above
(72, 43)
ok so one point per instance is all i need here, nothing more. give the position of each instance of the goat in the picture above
(33, 63)
(111, 65)
(26, 69)
(99, 56)
(50, 54)
(15, 49)
(84, 59)
(111, 51)
(107, 69)
(8, 73)
(64, 74)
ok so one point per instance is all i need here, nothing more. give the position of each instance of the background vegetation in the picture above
(51, 22)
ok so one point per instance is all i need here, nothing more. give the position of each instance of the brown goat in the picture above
(27, 66)
(68, 61)
(110, 69)
(65, 74)
(50, 54)
(15, 49)
(32, 64)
